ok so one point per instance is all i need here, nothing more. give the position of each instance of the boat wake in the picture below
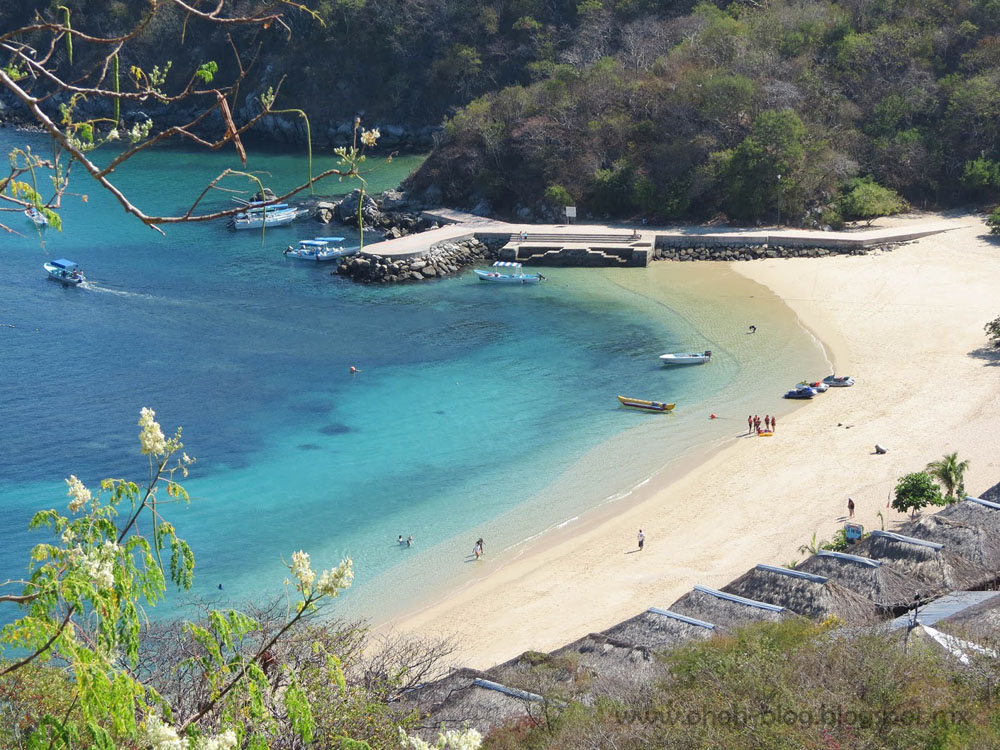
(92, 287)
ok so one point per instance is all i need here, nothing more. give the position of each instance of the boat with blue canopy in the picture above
(320, 249)
(65, 271)
(516, 275)
(259, 215)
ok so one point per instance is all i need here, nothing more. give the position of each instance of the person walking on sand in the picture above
(642, 539)
(753, 329)
(850, 507)
(477, 550)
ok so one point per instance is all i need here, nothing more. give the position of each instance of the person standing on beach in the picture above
(753, 329)
(774, 423)
(642, 539)
(850, 507)
(749, 424)
(767, 421)
(756, 422)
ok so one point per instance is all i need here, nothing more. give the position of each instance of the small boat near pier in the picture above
(259, 215)
(517, 275)
(320, 249)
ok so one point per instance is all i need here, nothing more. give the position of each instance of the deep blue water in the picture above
(470, 400)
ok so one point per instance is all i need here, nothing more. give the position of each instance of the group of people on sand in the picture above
(753, 424)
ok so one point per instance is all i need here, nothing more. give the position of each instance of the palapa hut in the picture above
(970, 540)
(929, 562)
(806, 594)
(975, 512)
(660, 629)
(469, 697)
(591, 666)
(727, 610)
(882, 583)
(992, 494)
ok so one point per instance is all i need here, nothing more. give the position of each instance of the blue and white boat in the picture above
(37, 217)
(259, 215)
(516, 276)
(320, 249)
(65, 271)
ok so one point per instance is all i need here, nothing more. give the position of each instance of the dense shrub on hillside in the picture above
(788, 685)
(685, 116)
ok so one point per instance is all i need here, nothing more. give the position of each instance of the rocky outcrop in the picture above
(386, 213)
(755, 252)
(446, 259)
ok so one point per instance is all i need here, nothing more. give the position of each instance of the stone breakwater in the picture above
(756, 252)
(445, 259)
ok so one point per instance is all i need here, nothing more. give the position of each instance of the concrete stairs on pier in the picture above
(579, 249)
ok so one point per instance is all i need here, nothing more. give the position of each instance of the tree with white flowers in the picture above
(113, 552)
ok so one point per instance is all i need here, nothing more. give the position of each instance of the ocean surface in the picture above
(477, 411)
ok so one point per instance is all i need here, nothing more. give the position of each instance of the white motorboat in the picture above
(320, 249)
(686, 358)
(517, 276)
(259, 215)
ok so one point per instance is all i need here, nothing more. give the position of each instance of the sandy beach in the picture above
(907, 324)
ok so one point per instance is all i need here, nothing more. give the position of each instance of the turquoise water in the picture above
(478, 411)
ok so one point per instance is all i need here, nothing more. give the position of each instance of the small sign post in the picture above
(570, 213)
(853, 532)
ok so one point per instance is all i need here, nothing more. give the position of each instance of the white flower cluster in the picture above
(451, 739)
(164, 737)
(302, 571)
(79, 493)
(331, 582)
(139, 131)
(370, 137)
(151, 437)
(99, 563)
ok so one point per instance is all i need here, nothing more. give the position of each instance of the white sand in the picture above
(906, 324)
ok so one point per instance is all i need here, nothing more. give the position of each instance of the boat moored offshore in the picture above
(686, 358)
(320, 249)
(516, 276)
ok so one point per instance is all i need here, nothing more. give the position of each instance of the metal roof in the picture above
(853, 558)
(63, 263)
(682, 618)
(330, 239)
(987, 503)
(908, 539)
(512, 692)
(313, 243)
(944, 607)
(792, 573)
(507, 264)
(737, 599)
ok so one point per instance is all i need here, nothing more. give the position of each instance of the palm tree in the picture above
(949, 471)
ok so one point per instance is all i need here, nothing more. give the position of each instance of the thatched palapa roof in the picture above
(727, 610)
(976, 512)
(992, 494)
(882, 583)
(972, 541)
(929, 562)
(468, 696)
(593, 665)
(660, 628)
(806, 594)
